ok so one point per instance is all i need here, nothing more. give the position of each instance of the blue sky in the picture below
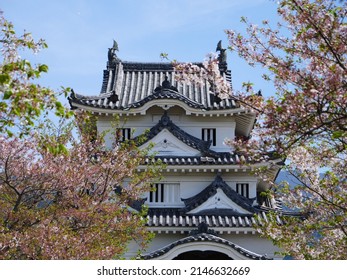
(79, 32)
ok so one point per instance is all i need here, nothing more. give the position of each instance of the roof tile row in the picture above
(135, 84)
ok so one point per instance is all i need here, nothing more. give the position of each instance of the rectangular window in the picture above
(209, 134)
(157, 194)
(242, 189)
(164, 194)
(123, 134)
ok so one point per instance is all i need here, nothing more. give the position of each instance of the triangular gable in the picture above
(166, 128)
(218, 195)
(219, 201)
(167, 144)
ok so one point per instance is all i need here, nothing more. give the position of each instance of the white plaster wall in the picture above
(159, 241)
(192, 184)
(225, 125)
(254, 243)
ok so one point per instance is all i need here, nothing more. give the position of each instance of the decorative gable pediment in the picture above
(219, 196)
(166, 144)
(219, 201)
(169, 139)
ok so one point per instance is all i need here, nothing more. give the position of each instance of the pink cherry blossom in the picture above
(304, 121)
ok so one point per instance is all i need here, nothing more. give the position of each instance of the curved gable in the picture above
(204, 242)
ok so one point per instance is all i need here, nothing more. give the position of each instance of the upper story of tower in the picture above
(140, 92)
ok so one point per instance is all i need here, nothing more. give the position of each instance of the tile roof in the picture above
(215, 159)
(205, 237)
(220, 218)
(225, 220)
(208, 156)
(132, 84)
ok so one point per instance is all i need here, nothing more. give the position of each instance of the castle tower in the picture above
(205, 207)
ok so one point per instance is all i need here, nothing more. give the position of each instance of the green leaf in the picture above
(9, 133)
(337, 134)
(3, 106)
(5, 78)
(7, 94)
(62, 149)
(43, 68)
(16, 111)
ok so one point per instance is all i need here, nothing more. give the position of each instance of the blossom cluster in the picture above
(304, 122)
(207, 73)
(64, 206)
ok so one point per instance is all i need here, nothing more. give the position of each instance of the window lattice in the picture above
(164, 194)
(209, 134)
(123, 134)
(243, 189)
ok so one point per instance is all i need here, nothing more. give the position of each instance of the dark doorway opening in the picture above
(202, 255)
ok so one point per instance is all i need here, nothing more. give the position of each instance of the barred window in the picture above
(157, 194)
(209, 134)
(164, 194)
(242, 189)
(123, 134)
